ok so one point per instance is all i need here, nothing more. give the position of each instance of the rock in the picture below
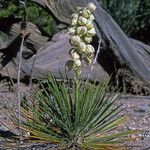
(144, 108)
(1, 43)
(53, 60)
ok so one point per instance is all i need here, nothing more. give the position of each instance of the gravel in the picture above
(137, 108)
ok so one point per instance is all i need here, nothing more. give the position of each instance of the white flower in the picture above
(77, 62)
(91, 7)
(81, 30)
(87, 39)
(78, 9)
(89, 49)
(91, 32)
(82, 20)
(71, 30)
(74, 55)
(89, 24)
(81, 46)
(92, 17)
(86, 13)
(74, 16)
(75, 40)
(74, 21)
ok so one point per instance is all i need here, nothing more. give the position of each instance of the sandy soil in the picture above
(137, 108)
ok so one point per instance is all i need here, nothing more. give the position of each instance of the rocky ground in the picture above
(137, 108)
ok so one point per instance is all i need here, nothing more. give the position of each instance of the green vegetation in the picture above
(35, 14)
(131, 15)
(76, 115)
(8, 10)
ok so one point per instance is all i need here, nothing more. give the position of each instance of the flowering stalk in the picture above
(81, 31)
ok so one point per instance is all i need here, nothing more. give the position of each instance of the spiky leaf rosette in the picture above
(75, 115)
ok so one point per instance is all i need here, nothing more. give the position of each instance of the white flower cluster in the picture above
(82, 31)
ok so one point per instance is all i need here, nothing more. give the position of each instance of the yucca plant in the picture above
(75, 115)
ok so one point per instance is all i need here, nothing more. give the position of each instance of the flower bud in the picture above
(86, 13)
(81, 30)
(77, 62)
(74, 21)
(91, 7)
(89, 49)
(75, 40)
(71, 31)
(89, 24)
(81, 47)
(78, 9)
(88, 39)
(91, 17)
(74, 16)
(82, 20)
(91, 32)
(74, 55)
